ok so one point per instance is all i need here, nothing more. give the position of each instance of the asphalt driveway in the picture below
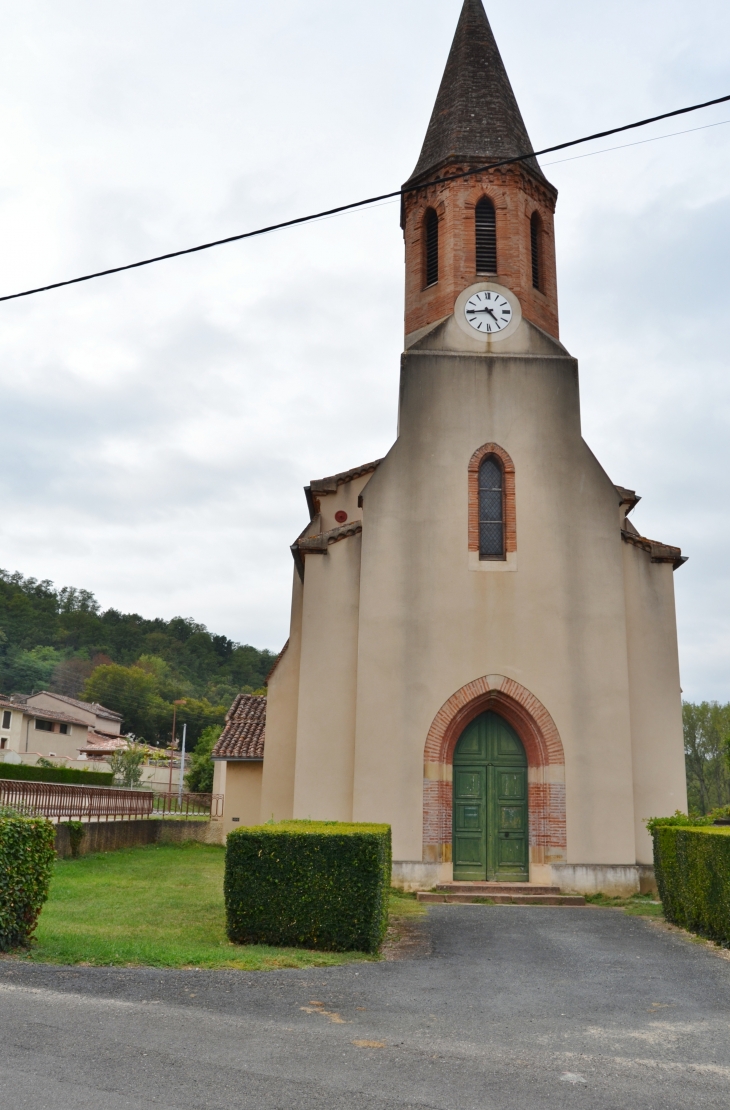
(520, 1007)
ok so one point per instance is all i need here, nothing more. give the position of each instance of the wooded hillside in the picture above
(61, 640)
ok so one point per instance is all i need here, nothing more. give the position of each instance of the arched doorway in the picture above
(490, 819)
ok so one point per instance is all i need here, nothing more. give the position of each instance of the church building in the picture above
(483, 648)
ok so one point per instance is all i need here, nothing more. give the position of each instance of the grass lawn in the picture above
(642, 905)
(153, 906)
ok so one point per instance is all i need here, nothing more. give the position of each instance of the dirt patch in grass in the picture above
(407, 937)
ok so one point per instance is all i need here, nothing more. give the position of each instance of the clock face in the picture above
(488, 311)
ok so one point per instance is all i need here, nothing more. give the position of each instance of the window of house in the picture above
(486, 232)
(64, 729)
(536, 249)
(491, 509)
(44, 726)
(431, 227)
(7, 718)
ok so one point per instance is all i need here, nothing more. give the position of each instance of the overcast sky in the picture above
(157, 427)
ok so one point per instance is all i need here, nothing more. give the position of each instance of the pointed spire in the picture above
(476, 118)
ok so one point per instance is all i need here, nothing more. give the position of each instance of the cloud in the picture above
(157, 427)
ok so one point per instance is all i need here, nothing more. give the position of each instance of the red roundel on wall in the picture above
(340, 516)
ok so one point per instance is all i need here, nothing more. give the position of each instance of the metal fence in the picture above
(102, 803)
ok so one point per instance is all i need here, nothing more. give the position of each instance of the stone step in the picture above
(474, 887)
(500, 899)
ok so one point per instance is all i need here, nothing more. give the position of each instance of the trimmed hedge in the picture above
(308, 884)
(55, 774)
(26, 858)
(692, 868)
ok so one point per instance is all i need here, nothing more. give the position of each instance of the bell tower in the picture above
(490, 226)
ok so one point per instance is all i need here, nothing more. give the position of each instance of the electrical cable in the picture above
(369, 201)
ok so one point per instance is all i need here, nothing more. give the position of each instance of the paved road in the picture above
(515, 1007)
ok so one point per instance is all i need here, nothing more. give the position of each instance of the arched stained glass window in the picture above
(431, 228)
(491, 509)
(486, 232)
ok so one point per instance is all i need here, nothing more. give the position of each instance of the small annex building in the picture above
(483, 647)
(238, 758)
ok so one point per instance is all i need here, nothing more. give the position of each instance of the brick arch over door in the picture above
(545, 761)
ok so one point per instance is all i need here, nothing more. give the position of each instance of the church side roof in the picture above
(320, 486)
(244, 730)
(476, 118)
(329, 485)
(659, 552)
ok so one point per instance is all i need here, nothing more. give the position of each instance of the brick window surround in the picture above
(510, 512)
(545, 766)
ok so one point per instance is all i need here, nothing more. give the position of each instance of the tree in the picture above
(707, 754)
(126, 765)
(131, 692)
(199, 779)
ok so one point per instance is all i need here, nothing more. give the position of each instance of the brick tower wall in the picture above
(516, 195)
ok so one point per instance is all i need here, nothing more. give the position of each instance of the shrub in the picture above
(57, 774)
(199, 777)
(76, 833)
(26, 858)
(692, 868)
(308, 884)
(126, 765)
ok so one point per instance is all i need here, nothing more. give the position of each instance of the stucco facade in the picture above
(402, 632)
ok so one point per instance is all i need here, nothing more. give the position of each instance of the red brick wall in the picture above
(516, 194)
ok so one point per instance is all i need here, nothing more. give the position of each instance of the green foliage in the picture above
(26, 859)
(685, 820)
(76, 833)
(707, 754)
(58, 639)
(131, 692)
(312, 884)
(692, 867)
(199, 777)
(126, 765)
(57, 774)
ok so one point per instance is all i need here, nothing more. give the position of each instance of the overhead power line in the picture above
(367, 201)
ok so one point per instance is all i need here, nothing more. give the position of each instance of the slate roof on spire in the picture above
(476, 118)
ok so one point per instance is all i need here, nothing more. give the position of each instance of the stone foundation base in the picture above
(411, 876)
(613, 879)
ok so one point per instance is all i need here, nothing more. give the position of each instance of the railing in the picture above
(189, 805)
(97, 803)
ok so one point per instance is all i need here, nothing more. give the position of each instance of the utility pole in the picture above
(182, 766)
(173, 744)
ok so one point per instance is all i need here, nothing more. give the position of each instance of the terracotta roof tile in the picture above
(244, 730)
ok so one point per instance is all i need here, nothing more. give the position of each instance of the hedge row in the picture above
(308, 884)
(26, 858)
(55, 774)
(692, 868)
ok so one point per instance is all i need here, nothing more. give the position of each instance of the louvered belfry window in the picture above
(486, 230)
(491, 509)
(432, 247)
(536, 244)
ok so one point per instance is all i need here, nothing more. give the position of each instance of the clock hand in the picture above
(485, 310)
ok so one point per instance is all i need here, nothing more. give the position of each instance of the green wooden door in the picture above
(490, 803)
